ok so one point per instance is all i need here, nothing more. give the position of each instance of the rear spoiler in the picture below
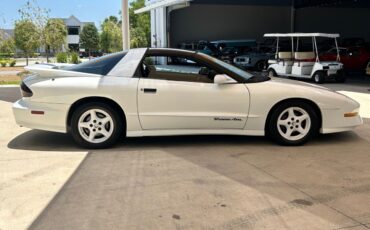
(55, 70)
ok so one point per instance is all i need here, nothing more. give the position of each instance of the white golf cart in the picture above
(304, 64)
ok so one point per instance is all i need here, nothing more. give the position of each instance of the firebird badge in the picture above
(227, 119)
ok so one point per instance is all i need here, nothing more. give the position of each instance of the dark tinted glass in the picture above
(100, 66)
(73, 31)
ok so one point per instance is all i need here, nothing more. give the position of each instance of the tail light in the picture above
(25, 91)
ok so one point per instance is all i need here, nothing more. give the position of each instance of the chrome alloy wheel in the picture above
(294, 123)
(95, 126)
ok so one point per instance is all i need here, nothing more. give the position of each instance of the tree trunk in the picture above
(47, 51)
(26, 59)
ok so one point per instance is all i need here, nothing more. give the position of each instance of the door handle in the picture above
(149, 90)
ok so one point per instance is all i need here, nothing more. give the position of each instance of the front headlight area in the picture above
(353, 113)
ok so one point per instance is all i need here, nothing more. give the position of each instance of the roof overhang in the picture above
(160, 4)
(302, 35)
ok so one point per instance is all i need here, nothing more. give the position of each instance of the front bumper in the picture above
(334, 121)
(54, 117)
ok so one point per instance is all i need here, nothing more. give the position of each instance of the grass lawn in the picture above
(11, 79)
(16, 68)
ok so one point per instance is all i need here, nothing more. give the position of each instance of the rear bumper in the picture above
(54, 117)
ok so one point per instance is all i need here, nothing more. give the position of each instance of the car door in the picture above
(165, 104)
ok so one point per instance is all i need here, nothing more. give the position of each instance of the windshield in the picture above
(230, 67)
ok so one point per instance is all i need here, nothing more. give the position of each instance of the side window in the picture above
(354, 52)
(173, 68)
(342, 52)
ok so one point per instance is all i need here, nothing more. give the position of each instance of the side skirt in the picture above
(174, 132)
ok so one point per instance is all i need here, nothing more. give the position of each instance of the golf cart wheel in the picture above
(260, 65)
(319, 77)
(96, 125)
(293, 123)
(271, 73)
(340, 77)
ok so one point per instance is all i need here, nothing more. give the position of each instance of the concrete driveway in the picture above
(194, 182)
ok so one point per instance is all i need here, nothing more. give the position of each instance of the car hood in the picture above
(279, 89)
(293, 83)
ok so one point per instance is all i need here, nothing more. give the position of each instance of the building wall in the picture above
(158, 27)
(349, 22)
(214, 22)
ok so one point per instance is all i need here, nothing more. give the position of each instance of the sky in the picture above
(85, 10)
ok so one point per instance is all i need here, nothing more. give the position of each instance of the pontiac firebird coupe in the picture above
(155, 92)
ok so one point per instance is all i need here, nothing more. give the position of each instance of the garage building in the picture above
(177, 21)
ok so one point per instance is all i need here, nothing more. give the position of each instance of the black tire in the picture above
(340, 77)
(118, 126)
(272, 129)
(271, 73)
(260, 65)
(319, 77)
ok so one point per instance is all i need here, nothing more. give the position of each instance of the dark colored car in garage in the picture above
(353, 58)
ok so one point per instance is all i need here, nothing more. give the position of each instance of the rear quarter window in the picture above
(101, 66)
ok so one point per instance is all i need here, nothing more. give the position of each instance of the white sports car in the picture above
(153, 92)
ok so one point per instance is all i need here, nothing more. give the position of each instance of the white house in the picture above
(74, 27)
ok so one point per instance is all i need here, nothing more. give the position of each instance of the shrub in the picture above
(12, 63)
(75, 59)
(62, 57)
(3, 63)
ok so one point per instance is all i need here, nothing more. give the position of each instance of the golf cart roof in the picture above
(303, 35)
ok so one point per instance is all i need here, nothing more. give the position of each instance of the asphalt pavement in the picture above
(192, 182)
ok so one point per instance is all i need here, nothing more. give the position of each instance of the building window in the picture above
(73, 31)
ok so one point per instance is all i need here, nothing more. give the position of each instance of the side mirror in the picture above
(223, 79)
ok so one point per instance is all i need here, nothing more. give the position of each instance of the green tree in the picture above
(7, 46)
(113, 19)
(89, 38)
(111, 36)
(31, 11)
(55, 35)
(139, 25)
(26, 37)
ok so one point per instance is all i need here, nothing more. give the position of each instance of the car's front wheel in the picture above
(293, 123)
(340, 77)
(319, 77)
(96, 125)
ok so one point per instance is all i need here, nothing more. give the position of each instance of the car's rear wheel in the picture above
(260, 65)
(96, 125)
(271, 73)
(293, 123)
(319, 77)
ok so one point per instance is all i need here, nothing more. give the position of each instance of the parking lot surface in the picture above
(192, 182)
